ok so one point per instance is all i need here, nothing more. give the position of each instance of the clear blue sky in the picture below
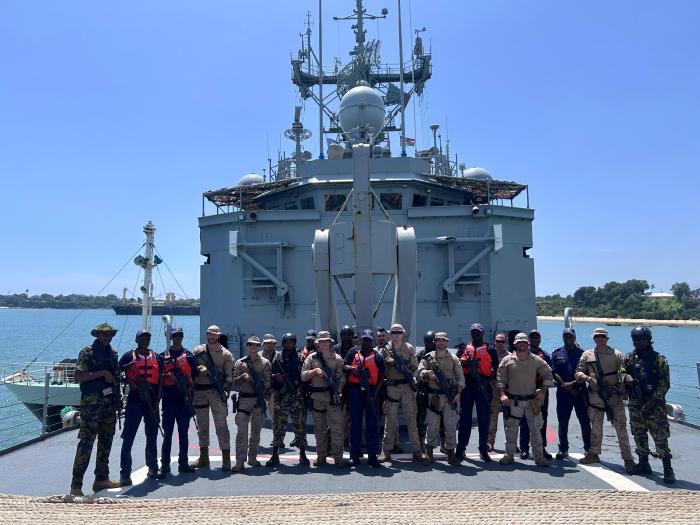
(115, 113)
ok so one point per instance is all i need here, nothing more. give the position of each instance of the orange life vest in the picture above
(481, 353)
(169, 365)
(143, 368)
(366, 362)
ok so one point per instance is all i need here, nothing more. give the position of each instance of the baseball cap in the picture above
(367, 334)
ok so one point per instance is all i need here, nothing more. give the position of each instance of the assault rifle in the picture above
(402, 366)
(446, 386)
(117, 395)
(290, 386)
(215, 376)
(604, 391)
(147, 404)
(257, 386)
(183, 386)
(331, 379)
(643, 390)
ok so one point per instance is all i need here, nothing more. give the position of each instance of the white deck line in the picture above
(615, 480)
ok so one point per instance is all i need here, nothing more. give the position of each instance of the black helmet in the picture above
(641, 332)
(428, 337)
(289, 336)
(346, 330)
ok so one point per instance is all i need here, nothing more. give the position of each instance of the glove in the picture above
(203, 370)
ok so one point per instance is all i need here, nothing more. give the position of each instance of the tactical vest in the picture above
(366, 362)
(101, 360)
(481, 354)
(143, 368)
(645, 372)
(170, 363)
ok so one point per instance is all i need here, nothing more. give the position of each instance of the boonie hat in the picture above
(269, 338)
(599, 331)
(213, 329)
(253, 340)
(311, 334)
(367, 334)
(324, 336)
(103, 328)
(396, 327)
(521, 337)
(441, 335)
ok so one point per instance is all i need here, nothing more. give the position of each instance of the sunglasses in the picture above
(396, 332)
(500, 341)
(600, 337)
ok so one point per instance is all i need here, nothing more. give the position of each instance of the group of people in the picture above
(353, 385)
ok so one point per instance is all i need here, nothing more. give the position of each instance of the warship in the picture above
(366, 235)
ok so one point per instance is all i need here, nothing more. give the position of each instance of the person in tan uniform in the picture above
(250, 413)
(400, 390)
(269, 352)
(516, 380)
(443, 400)
(211, 390)
(605, 365)
(501, 348)
(327, 411)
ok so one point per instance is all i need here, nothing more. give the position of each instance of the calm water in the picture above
(26, 333)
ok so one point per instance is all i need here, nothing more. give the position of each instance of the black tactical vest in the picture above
(102, 359)
(645, 372)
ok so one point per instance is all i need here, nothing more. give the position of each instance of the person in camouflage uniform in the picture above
(289, 402)
(99, 402)
(647, 402)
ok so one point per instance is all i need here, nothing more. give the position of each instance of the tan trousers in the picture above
(524, 409)
(437, 406)
(249, 414)
(493, 422)
(328, 418)
(203, 401)
(406, 398)
(619, 423)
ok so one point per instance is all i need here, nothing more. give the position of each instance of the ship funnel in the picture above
(361, 113)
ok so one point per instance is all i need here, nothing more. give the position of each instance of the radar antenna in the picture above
(297, 133)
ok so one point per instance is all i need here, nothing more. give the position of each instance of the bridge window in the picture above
(335, 202)
(307, 203)
(437, 202)
(292, 205)
(391, 201)
(419, 200)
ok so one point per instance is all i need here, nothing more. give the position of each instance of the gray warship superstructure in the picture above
(442, 246)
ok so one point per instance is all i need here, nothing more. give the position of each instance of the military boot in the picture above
(303, 460)
(507, 459)
(385, 457)
(226, 460)
(341, 463)
(428, 459)
(77, 493)
(417, 456)
(253, 460)
(203, 460)
(669, 476)
(372, 461)
(630, 465)
(643, 468)
(541, 461)
(274, 459)
(451, 458)
(320, 460)
(104, 484)
(238, 467)
(589, 459)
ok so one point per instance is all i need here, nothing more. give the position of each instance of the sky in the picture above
(114, 113)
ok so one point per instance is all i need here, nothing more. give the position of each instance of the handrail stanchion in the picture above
(45, 413)
(697, 366)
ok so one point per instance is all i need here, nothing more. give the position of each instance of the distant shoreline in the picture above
(615, 320)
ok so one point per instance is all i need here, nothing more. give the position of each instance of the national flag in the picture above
(330, 141)
(407, 141)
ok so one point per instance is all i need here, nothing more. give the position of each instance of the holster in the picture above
(234, 402)
(535, 406)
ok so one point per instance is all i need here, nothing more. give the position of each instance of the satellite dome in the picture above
(250, 179)
(362, 109)
(477, 173)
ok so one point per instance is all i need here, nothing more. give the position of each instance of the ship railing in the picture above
(61, 373)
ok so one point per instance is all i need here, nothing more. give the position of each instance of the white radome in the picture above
(250, 179)
(477, 173)
(362, 108)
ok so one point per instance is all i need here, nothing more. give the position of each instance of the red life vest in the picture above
(143, 368)
(169, 365)
(481, 353)
(366, 362)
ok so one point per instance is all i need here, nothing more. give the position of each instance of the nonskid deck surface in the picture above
(44, 469)
(496, 508)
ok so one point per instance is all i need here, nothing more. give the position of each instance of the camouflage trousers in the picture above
(496, 407)
(288, 406)
(523, 409)
(97, 420)
(248, 416)
(437, 407)
(400, 395)
(328, 419)
(203, 400)
(619, 422)
(652, 422)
